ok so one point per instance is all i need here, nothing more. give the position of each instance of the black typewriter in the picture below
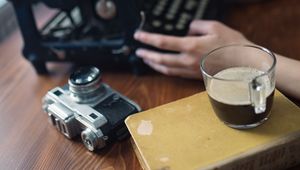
(174, 16)
(101, 31)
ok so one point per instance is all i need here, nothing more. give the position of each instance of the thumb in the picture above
(203, 27)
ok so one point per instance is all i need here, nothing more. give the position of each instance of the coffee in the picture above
(231, 99)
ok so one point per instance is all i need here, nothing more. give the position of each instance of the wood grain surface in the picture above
(28, 141)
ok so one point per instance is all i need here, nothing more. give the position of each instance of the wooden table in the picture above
(28, 141)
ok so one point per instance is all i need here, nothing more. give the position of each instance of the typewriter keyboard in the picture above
(173, 16)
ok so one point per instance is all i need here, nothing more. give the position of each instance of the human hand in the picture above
(203, 36)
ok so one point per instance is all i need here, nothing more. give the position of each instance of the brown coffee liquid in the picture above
(240, 114)
(231, 99)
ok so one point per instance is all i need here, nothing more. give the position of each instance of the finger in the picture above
(172, 60)
(165, 42)
(203, 27)
(174, 71)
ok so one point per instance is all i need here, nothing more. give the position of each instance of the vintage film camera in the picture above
(89, 107)
(101, 31)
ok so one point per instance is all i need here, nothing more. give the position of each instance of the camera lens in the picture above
(84, 75)
(85, 85)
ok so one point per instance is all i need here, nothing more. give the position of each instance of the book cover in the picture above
(186, 134)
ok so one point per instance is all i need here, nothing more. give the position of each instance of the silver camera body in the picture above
(89, 107)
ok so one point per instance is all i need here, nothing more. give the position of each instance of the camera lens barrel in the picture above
(85, 84)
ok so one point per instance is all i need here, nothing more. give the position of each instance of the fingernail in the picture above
(137, 35)
(140, 52)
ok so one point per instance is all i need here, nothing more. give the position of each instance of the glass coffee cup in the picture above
(240, 82)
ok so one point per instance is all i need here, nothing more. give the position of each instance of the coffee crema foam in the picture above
(236, 92)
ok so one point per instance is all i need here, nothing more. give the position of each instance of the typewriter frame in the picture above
(115, 51)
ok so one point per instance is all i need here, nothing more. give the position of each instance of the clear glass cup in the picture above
(240, 82)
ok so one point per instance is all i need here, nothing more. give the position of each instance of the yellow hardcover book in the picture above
(186, 134)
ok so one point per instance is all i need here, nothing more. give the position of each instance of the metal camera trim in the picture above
(84, 118)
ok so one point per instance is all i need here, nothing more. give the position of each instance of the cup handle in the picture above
(257, 95)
